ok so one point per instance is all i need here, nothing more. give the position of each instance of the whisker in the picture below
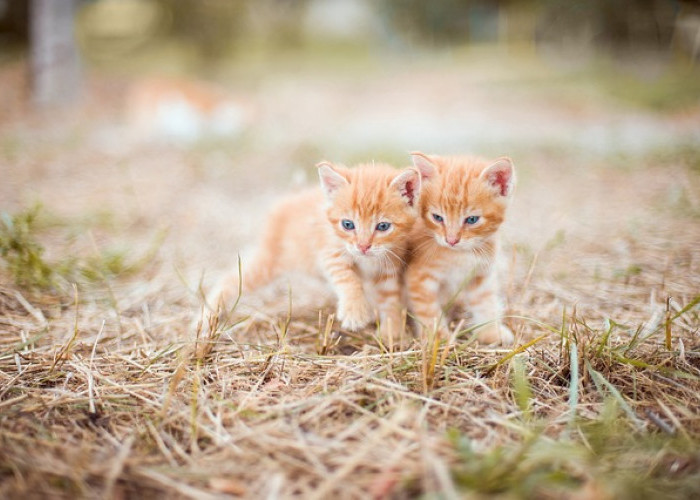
(389, 265)
(423, 245)
(396, 256)
(385, 262)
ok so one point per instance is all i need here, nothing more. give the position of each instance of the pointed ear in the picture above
(424, 165)
(408, 185)
(501, 176)
(331, 179)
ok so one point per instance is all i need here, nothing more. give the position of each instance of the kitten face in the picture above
(371, 208)
(464, 200)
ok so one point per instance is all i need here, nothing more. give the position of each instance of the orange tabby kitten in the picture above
(454, 244)
(353, 230)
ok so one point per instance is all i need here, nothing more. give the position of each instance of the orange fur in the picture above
(305, 234)
(452, 260)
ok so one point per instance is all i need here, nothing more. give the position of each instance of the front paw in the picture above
(391, 328)
(354, 314)
(432, 324)
(495, 333)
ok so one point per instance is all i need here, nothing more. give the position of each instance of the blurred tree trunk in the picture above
(55, 63)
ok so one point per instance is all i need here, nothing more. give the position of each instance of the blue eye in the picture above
(383, 226)
(438, 218)
(348, 225)
(472, 219)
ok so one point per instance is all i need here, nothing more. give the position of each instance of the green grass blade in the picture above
(601, 381)
(521, 387)
(687, 308)
(516, 351)
(604, 340)
(573, 381)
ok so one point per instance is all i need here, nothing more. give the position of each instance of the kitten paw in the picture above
(354, 315)
(391, 332)
(427, 323)
(495, 333)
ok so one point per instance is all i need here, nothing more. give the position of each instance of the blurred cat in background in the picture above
(182, 110)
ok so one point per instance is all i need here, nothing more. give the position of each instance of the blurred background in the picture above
(173, 113)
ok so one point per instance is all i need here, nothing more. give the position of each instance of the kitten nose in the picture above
(452, 240)
(364, 247)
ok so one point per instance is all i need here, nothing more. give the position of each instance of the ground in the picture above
(112, 388)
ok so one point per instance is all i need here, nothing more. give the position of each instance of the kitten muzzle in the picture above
(364, 247)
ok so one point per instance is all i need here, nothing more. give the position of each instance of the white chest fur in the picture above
(368, 267)
(460, 269)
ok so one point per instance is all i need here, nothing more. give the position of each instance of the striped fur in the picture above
(305, 234)
(452, 261)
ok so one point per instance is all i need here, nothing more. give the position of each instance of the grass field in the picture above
(109, 387)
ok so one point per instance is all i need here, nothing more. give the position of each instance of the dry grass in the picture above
(112, 389)
(94, 411)
(105, 399)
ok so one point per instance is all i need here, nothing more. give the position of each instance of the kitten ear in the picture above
(331, 179)
(424, 164)
(501, 176)
(408, 185)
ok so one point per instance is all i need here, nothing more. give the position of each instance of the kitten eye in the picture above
(348, 225)
(438, 218)
(383, 226)
(472, 219)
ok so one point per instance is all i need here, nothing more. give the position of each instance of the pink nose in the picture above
(364, 247)
(452, 241)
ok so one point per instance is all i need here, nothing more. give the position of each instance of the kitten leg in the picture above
(423, 288)
(257, 273)
(389, 304)
(354, 311)
(260, 271)
(482, 300)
